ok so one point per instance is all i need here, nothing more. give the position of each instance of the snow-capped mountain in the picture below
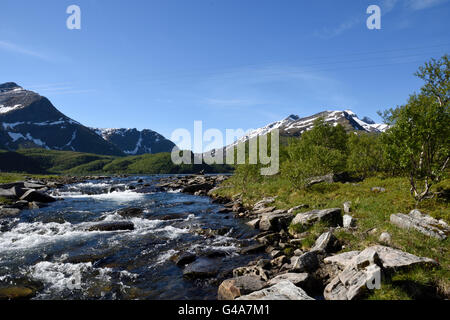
(135, 142)
(28, 120)
(294, 126)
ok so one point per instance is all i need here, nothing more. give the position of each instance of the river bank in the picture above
(319, 249)
(196, 237)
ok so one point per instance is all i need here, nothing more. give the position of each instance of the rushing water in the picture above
(51, 246)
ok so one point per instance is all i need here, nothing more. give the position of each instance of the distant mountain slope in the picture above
(135, 142)
(294, 126)
(28, 120)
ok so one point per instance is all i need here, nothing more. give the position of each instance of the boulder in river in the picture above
(36, 196)
(112, 226)
(201, 268)
(284, 290)
(130, 212)
(231, 289)
(9, 212)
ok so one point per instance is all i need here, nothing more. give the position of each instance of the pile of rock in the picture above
(198, 185)
(298, 274)
(423, 223)
(24, 195)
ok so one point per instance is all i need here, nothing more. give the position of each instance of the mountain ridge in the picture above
(29, 120)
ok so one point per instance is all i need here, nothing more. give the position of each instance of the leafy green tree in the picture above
(366, 154)
(320, 151)
(420, 132)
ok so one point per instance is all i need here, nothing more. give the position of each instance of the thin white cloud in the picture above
(328, 33)
(416, 5)
(8, 46)
(424, 4)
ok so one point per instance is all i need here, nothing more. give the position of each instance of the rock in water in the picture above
(112, 226)
(36, 196)
(284, 290)
(130, 212)
(9, 212)
(202, 268)
(422, 223)
(231, 289)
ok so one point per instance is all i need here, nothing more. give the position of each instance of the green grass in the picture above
(372, 211)
(78, 163)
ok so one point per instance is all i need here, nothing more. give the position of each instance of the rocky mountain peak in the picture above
(9, 86)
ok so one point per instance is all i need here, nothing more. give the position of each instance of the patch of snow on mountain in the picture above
(136, 149)
(4, 109)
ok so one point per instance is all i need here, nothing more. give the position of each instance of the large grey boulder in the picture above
(284, 290)
(421, 222)
(15, 192)
(275, 221)
(389, 258)
(361, 269)
(301, 280)
(332, 217)
(36, 196)
(231, 289)
(308, 262)
(326, 243)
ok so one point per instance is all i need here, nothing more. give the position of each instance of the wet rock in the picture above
(275, 221)
(421, 222)
(283, 290)
(302, 280)
(306, 262)
(36, 196)
(19, 289)
(224, 210)
(183, 259)
(9, 212)
(200, 269)
(269, 238)
(112, 226)
(130, 212)
(327, 243)
(197, 187)
(330, 216)
(237, 207)
(231, 289)
(348, 221)
(117, 188)
(256, 248)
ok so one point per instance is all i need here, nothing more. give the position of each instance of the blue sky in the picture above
(231, 63)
